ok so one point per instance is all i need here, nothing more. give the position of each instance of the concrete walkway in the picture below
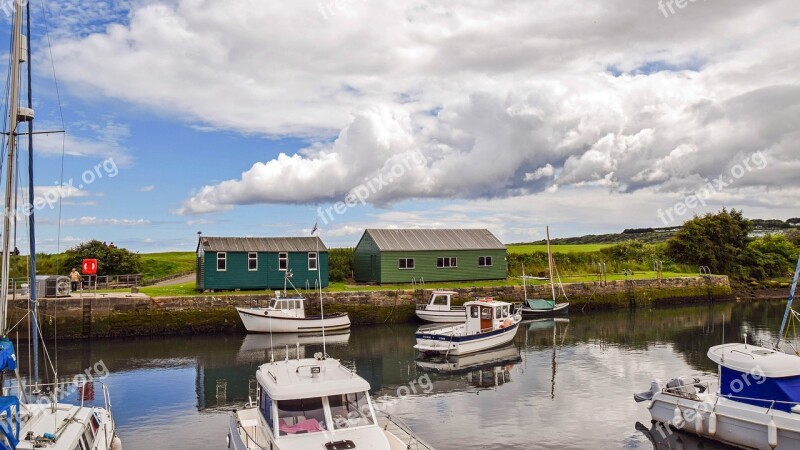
(180, 280)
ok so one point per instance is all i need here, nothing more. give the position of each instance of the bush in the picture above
(110, 261)
(341, 263)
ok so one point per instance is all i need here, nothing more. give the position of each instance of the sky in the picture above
(262, 118)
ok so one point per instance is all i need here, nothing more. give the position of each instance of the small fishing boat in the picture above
(754, 402)
(315, 403)
(538, 307)
(489, 324)
(288, 315)
(440, 310)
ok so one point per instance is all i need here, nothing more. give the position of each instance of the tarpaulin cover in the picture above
(8, 360)
(744, 384)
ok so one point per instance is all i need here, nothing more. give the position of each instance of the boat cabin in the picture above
(487, 314)
(439, 301)
(289, 306)
(310, 402)
(750, 373)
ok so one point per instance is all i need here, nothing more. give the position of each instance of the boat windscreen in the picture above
(306, 415)
(350, 410)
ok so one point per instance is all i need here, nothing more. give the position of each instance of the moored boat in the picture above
(287, 315)
(315, 403)
(489, 324)
(754, 402)
(539, 307)
(439, 309)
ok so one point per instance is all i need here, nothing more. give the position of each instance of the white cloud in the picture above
(498, 98)
(91, 220)
(148, 188)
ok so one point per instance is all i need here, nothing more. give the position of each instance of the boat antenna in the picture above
(789, 303)
(319, 280)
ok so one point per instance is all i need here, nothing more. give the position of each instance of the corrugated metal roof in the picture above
(262, 244)
(453, 239)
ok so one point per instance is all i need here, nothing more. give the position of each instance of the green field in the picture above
(159, 265)
(561, 248)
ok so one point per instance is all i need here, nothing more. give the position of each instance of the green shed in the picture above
(403, 256)
(228, 263)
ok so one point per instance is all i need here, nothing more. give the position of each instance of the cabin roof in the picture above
(430, 239)
(292, 379)
(488, 302)
(755, 359)
(262, 244)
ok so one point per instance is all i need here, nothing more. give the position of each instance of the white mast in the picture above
(550, 263)
(17, 57)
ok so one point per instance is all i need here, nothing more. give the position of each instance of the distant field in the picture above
(159, 265)
(561, 248)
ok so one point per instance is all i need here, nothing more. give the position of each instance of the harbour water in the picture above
(563, 384)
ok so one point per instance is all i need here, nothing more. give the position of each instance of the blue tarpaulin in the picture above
(743, 384)
(8, 360)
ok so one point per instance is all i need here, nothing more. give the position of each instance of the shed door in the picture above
(373, 267)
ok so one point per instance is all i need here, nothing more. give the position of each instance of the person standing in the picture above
(75, 278)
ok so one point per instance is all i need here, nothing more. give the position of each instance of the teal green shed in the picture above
(430, 255)
(250, 263)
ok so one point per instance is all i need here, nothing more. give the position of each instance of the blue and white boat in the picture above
(489, 324)
(753, 402)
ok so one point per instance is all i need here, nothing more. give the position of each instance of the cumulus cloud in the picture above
(489, 99)
(92, 220)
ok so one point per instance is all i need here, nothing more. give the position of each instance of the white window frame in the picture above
(413, 264)
(252, 256)
(315, 258)
(222, 256)
(452, 262)
(285, 257)
(485, 259)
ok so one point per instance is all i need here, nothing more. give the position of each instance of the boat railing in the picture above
(398, 428)
(680, 392)
(236, 442)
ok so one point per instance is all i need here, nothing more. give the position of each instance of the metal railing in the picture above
(399, 429)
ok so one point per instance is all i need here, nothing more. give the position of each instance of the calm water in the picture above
(564, 384)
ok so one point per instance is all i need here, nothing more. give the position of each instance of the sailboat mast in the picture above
(34, 306)
(550, 263)
(789, 303)
(13, 108)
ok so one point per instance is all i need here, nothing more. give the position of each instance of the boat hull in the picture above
(456, 316)
(527, 312)
(738, 424)
(258, 320)
(436, 343)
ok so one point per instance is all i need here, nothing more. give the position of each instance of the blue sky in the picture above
(248, 118)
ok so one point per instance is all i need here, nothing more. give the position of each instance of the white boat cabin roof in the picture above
(487, 302)
(754, 359)
(441, 292)
(308, 377)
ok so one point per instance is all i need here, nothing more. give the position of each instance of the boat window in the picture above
(84, 442)
(88, 436)
(440, 300)
(265, 404)
(486, 313)
(95, 424)
(350, 410)
(473, 312)
(272, 303)
(505, 311)
(498, 313)
(304, 415)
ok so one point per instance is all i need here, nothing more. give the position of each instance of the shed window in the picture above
(406, 263)
(283, 261)
(222, 261)
(252, 261)
(312, 260)
(446, 262)
(484, 261)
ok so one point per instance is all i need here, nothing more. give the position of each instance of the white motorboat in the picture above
(312, 404)
(440, 310)
(754, 402)
(31, 414)
(288, 315)
(489, 324)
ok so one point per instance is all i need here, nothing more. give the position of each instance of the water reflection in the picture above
(573, 379)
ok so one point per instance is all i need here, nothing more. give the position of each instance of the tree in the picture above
(110, 260)
(793, 236)
(714, 240)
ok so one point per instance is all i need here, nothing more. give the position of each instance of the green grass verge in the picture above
(159, 265)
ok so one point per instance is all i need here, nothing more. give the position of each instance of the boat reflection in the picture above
(261, 347)
(483, 370)
(669, 438)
